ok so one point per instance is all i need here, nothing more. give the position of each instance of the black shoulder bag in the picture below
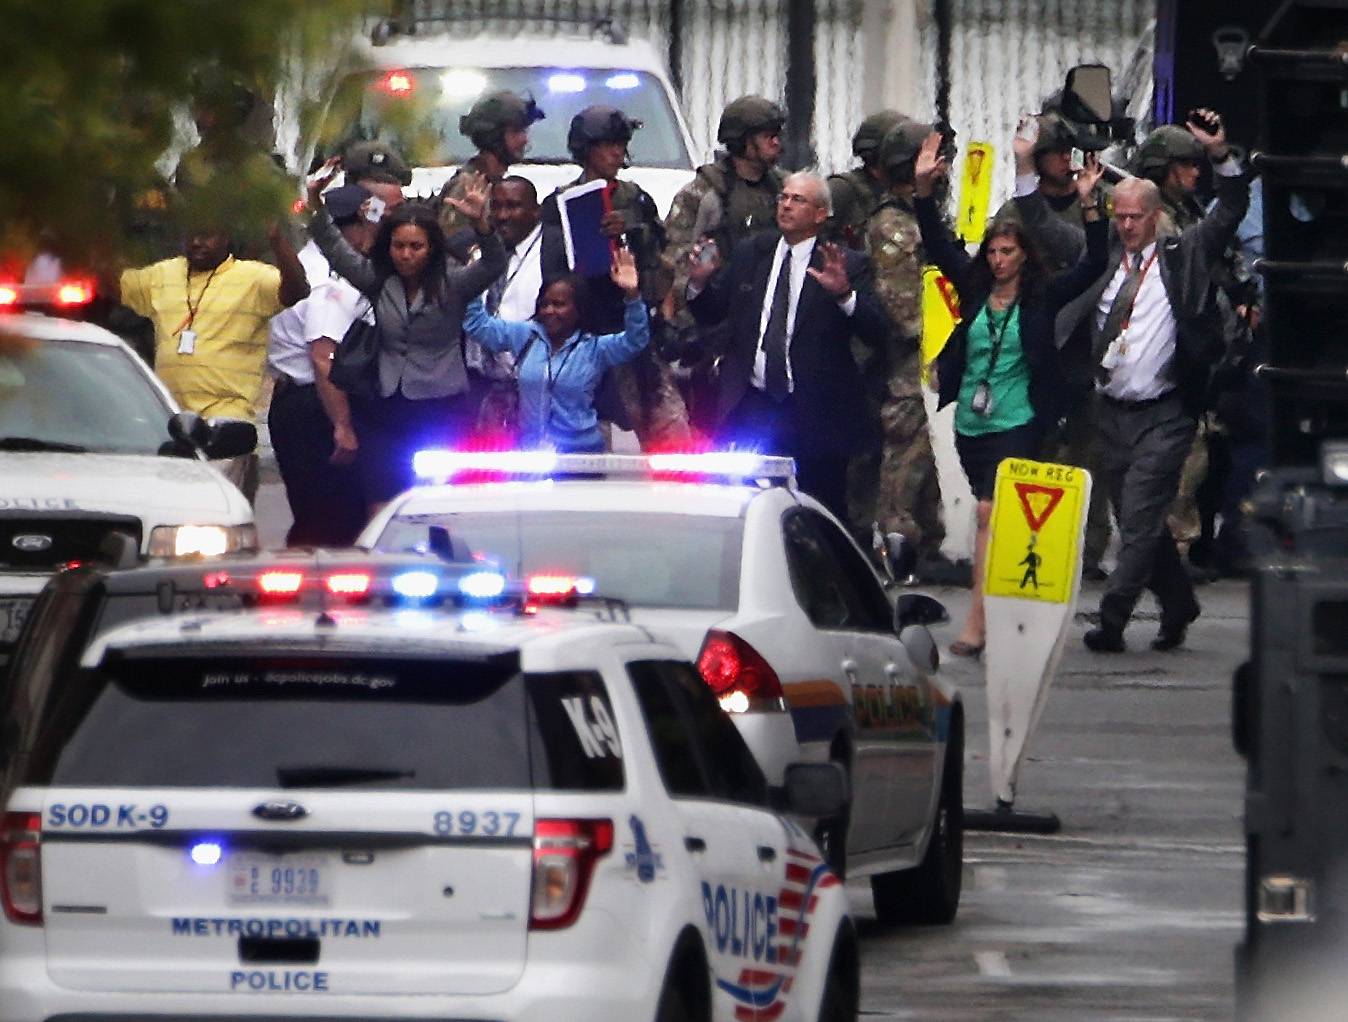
(355, 363)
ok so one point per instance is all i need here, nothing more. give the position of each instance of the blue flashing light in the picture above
(206, 853)
(584, 586)
(482, 585)
(566, 81)
(623, 80)
(441, 464)
(416, 585)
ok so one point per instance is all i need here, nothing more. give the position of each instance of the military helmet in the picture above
(1166, 143)
(485, 123)
(900, 146)
(362, 158)
(872, 131)
(597, 124)
(745, 116)
(1055, 134)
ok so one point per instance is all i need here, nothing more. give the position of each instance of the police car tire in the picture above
(842, 989)
(929, 893)
(679, 1000)
(673, 1007)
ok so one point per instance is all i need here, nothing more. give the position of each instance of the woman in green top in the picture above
(1001, 364)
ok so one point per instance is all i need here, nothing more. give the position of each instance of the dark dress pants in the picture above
(325, 499)
(771, 427)
(1143, 447)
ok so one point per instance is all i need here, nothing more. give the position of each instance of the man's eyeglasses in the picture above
(795, 199)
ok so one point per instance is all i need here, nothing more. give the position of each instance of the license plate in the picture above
(13, 613)
(279, 879)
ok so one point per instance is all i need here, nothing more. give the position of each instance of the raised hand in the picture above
(613, 224)
(1023, 142)
(320, 179)
(473, 203)
(832, 276)
(930, 165)
(1206, 126)
(623, 273)
(1088, 177)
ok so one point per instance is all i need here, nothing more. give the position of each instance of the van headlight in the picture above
(201, 540)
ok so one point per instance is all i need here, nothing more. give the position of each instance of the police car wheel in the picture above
(831, 834)
(684, 997)
(842, 989)
(929, 894)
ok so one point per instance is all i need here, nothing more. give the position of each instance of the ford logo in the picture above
(280, 810)
(31, 543)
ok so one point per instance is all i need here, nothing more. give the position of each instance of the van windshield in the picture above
(417, 110)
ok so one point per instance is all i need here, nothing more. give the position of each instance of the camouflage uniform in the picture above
(856, 196)
(451, 220)
(907, 497)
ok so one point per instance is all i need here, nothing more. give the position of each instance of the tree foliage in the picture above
(91, 90)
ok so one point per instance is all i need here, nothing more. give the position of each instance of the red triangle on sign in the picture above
(1038, 502)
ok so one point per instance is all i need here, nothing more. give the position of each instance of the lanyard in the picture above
(510, 278)
(187, 289)
(1128, 316)
(998, 335)
(552, 379)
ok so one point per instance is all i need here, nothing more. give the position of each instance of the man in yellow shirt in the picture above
(210, 313)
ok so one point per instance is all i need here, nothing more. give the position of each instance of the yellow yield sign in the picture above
(940, 314)
(1034, 544)
(975, 191)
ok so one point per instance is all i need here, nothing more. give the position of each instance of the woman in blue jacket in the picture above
(1000, 366)
(557, 366)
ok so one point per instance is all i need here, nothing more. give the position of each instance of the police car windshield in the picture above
(418, 110)
(75, 396)
(313, 721)
(647, 560)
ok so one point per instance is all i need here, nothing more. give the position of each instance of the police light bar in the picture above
(442, 466)
(64, 294)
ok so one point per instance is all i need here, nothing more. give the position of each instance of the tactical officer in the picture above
(1052, 154)
(498, 124)
(857, 193)
(907, 495)
(735, 195)
(1172, 158)
(375, 162)
(641, 395)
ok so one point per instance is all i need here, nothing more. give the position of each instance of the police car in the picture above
(357, 811)
(435, 68)
(97, 463)
(765, 591)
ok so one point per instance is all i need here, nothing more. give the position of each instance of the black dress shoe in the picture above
(1172, 636)
(1103, 640)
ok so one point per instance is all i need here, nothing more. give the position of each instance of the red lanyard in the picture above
(1128, 318)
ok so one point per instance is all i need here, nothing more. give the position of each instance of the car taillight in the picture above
(9, 295)
(737, 673)
(21, 867)
(565, 852)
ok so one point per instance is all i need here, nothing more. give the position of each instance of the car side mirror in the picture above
(815, 789)
(229, 438)
(918, 609)
(897, 555)
(921, 648)
(189, 428)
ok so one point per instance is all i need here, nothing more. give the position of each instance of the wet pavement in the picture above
(1132, 910)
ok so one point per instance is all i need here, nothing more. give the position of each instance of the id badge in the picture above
(187, 342)
(1113, 357)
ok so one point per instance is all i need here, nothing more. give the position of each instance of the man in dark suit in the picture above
(1156, 335)
(787, 383)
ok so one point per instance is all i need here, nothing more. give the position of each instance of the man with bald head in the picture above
(787, 382)
(1155, 336)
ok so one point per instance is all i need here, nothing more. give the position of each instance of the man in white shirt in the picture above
(310, 419)
(1156, 336)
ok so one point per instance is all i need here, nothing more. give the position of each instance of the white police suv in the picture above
(96, 461)
(369, 813)
(766, 592)
(418, 77)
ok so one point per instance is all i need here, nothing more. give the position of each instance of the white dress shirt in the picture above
(523, 278)
(801, 253)
(1139, 360)
(287, 344)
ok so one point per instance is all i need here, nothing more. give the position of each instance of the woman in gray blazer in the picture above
(418, 296)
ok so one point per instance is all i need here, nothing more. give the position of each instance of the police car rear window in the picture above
(327, 722)
(688, 562)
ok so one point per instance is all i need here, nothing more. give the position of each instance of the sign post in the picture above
(1030, 588)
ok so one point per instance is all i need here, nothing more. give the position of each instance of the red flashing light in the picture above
(729, 664)
(551, 585)
(280, 583)
(398, 83)
(9, 295)
(21, 867)
(298, 206)
(349, 584)
(565, 853)
(74, 292)
(216, 580)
